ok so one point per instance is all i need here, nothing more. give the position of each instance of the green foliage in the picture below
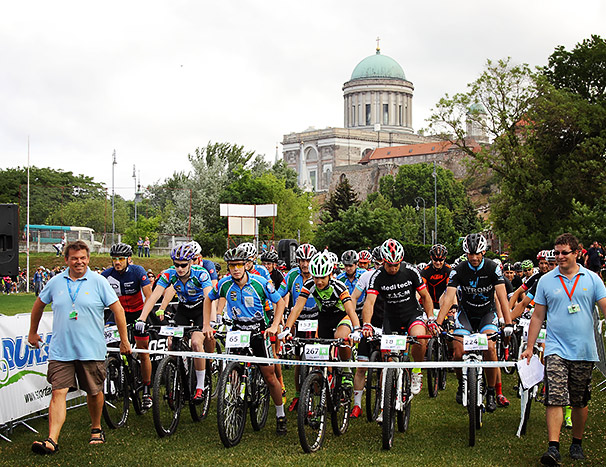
(340, 200)
(144, 227)
(93, 213)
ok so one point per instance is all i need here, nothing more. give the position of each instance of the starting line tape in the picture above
(273, 361)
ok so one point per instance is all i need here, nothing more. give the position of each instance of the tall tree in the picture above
(340, 200)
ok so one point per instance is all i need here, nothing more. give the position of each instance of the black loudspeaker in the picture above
(286, 250)
(9, 240)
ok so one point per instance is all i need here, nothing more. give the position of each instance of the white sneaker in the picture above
(417, 383)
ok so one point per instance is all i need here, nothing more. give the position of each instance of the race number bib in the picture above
(175, 331)
(111, 334)
(393, 342)
(540, 337)
(475, 342)
(306, 325)
(237, 339)
(317, 352)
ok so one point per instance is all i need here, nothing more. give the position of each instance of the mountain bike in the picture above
(241, 387)
(323, 392)
(373, 378)
(437, 351)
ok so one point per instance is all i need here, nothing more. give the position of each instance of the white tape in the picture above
(274, 361)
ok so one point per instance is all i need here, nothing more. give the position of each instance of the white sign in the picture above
(393, 342)
(307, 325)
(175, 331)
(111, 334)
(317, 352)
(237, 339)
(475, 342)
(23, 386)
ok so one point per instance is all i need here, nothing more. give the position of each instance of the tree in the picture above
(340, 200)
(144, 227)
(93, 213)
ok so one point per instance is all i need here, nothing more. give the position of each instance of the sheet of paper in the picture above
(532, 373)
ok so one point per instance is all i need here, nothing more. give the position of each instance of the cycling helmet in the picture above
(527, 264)
(551, 257)
(333, 257)
(321, 265)
(438, 252)
(517, 266)
(197, 248)
(349, 257)
(365, 255)
(305, 251)
(249, 250)
(499, 263)
(269, 257)
(376, 254)
(421, 266)
(183, 252)
(281, 265)
(121, 249)
(542, 254)
(508, 267)
(474, 243)
(235, 254)
(392, 251)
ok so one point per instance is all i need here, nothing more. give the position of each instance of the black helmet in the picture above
(120, 249)
(508, 267)
(517, 266)
(474, 243)
(349, 257)
(438, 251)
(377, 257)
(235, 254)
(269, 257)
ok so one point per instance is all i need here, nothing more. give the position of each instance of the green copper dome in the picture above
(477, 107)
(378, 66)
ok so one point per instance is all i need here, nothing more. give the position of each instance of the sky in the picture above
(154, 80)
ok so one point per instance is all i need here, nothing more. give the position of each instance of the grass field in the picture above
(16, 303)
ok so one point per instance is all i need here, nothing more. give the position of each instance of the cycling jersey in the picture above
(192, 292)
(246, 305)
(293, 283)
(351, 285)
(531, 281)
(211, 268)
(260, 270)
(330, 302)
(276, 277)
(436, 281)
(128, 285)
(379, 307)
(398, 290)
(476, 286)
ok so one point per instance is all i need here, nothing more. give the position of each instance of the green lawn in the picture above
(16, 303)
(437, 436)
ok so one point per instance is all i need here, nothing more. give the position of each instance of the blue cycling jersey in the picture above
(211, 268)
(193, 290)
(293, 283)
(351, 284)
(246, 305)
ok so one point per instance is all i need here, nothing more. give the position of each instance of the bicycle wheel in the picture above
(403, 416)
(433, 355)
(215, 367)
(135, 385)
(472, 403)
(341, 405)
(115, 392)
(513, 353)
(199, 411)
(389, 407)
(231, 404)
(443, 357)
(259, 399)
(373, 388)
(311, 413)
(167, 397)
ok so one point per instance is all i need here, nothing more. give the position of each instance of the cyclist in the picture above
(251, 253)
(376, 321)
(435, 274)
(290, 290)
(245, 295)
(336, 312)
(191, 283)
(533, 279)
(398, 283)
(527, 269)
(129, 281)
(351, 275)
(477, 279)
(519, 274)
(269, 260)
(364, 259)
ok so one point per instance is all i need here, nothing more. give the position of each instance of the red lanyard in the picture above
(570, 294)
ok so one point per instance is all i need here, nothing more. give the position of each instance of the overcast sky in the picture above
(154, 80)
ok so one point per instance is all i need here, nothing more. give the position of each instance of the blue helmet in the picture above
(183, 252)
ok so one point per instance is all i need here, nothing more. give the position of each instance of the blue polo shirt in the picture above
(570, 335)
(82, 338)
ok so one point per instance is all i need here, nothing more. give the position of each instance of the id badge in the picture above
(73, 314)
(574, 308)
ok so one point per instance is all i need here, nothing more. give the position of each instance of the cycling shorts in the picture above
(464, 325)
(402, 324)
(329, 324)
(260, 346)
(189, 316)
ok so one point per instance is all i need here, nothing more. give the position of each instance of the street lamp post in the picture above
(435, 202)
(113, 196)
(417, 199)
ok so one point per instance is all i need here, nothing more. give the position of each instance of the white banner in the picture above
(23, 386)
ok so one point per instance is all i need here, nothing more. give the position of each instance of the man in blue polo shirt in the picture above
(566, 297)
(77, 348)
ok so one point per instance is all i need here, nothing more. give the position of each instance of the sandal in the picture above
(98, 439)
(40, 447)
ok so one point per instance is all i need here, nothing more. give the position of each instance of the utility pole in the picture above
(113, 198)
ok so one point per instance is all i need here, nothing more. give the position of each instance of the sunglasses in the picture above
(118, 258)
(235, 265)
(181, 265)
(563, 253)
(438, 260)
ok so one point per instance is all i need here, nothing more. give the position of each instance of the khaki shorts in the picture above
(567, 382)
(90, 374)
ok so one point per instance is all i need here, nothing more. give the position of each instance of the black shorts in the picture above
(189, 316)
(328, 324)
(131, 317)
(465, 325)
(402, 324)
(259, 344)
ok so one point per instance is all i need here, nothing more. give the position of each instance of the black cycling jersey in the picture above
(532, 280)
(516, 282)
(508, 287)
(276, 277)
(397, 290)
(329, 300)
(436, 281)
(476, 286)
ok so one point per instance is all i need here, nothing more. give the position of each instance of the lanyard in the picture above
(571, 293)
(72, 295)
